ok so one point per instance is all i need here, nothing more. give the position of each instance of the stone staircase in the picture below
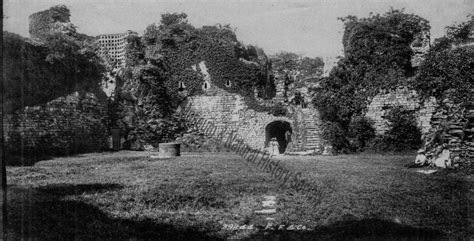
(307, 138)
(311, 124)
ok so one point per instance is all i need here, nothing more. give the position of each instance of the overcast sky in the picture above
(309, 28)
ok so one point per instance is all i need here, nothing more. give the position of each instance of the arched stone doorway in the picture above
(281, 130)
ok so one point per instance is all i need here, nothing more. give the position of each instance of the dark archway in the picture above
(281, 130)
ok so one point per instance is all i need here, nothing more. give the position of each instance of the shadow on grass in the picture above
(366, 229)
(44, 214)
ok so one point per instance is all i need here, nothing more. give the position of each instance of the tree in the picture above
(134, 51)
(447, 74)
(293, 67)
(447, 70)
(150, 120)
(460, 32)
(310, 67)
(173, 29)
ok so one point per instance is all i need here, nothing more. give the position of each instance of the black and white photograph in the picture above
(237, 120)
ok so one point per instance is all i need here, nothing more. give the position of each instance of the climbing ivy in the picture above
(377, 57)
(447, 72)
(232, 66)
(38, 73)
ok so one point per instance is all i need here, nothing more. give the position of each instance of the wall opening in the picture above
(281, 130)
(205, 86)
(181, 87)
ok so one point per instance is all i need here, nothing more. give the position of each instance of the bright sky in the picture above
(308, 27)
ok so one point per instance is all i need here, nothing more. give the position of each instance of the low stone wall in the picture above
(67, 125)
(381, 104)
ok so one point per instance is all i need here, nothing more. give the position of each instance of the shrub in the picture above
(278, 110)
(361, 131)
(335, 135)
(403, 134)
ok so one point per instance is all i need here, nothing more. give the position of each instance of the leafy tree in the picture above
(169, 19)
(285, 63)
(150, 120)
(291, 67)
(361, 131)
(134, 51)
(174, 29)
(447, 73)
(455, 34)
(310, 67)
(460, 32)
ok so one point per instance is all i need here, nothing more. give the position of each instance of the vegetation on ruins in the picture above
(174, 50)
(55, 19)
(278, 110)
(146, 108)
(377, 57)
(447, 72)
(461, 32)
(36, 73)
(233, 67)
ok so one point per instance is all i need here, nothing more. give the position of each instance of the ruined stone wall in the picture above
(64, 126)
(228, 110)
(55, 19)
(381, 104)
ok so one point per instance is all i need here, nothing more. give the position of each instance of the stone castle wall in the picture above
(64, 126)
(381, 104)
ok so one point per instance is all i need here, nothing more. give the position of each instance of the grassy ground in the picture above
(127, 195)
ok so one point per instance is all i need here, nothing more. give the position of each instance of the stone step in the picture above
(266, 211)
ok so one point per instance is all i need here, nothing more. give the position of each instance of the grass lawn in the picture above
(127, 195)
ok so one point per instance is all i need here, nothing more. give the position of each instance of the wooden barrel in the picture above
(169, 149)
